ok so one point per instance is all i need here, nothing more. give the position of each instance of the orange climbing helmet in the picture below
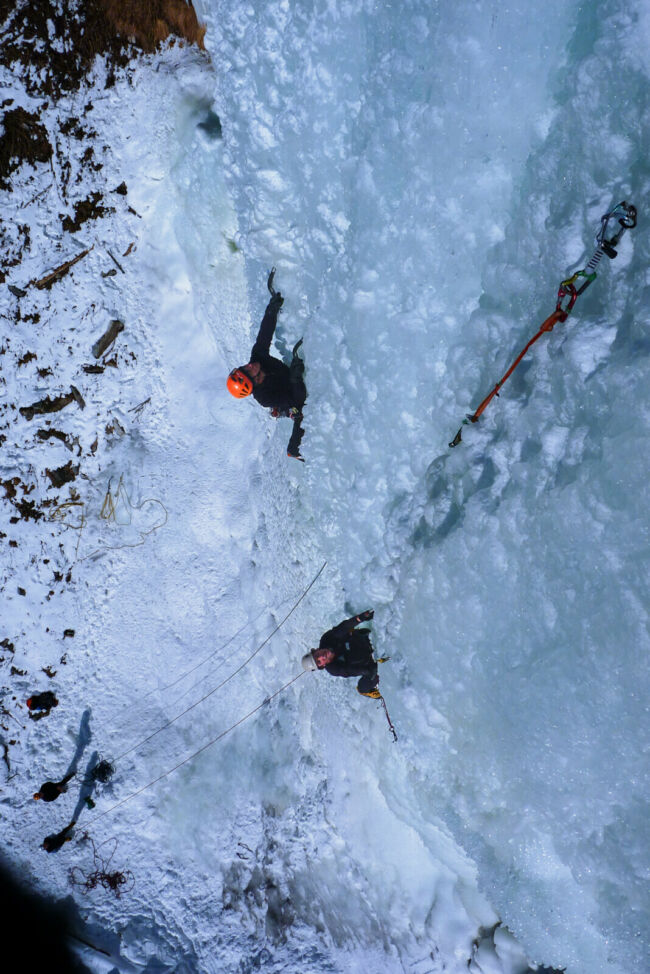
(239, 384)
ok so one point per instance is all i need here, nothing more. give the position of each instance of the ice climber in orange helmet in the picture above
(272, 383)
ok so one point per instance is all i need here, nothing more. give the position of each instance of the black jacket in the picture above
(277, 390)
(53, 843)
(353, 653)
(42, 701)
(50, 791)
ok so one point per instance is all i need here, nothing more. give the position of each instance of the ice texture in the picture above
(438, 167)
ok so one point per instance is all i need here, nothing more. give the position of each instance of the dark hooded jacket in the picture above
(50, 790)
(279, 390)
(40, 704)
(283, 387)
(353, 653)
(52, 843)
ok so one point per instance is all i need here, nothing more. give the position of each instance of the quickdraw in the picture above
(391, 726)
(567, 295)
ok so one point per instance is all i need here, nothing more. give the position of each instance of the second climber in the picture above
(347, 651)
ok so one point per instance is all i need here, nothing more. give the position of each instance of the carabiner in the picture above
(626, 222)
(567, 289)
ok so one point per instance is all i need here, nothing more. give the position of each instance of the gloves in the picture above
(365, 616)
(290, 413)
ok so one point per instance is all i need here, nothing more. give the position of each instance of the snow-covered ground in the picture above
(422, 175)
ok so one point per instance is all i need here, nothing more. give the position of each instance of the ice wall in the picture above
(422, 174)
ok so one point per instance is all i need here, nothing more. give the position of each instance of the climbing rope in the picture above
(207, 659)
(61, 513)
(139, 744)
(200, 750)
(108, 513)
(567, 295)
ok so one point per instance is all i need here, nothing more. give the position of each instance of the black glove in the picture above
(365, 616)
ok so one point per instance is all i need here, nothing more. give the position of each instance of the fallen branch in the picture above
(116, 262)
(48, 405)
(58, 272)
(34, 198)
(138, 409)
(13, 717)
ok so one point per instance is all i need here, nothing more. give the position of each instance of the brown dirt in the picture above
(149, 23)
(115, 28)
(88, 209)
(14, 240)
(62, 475)
(24, 140)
